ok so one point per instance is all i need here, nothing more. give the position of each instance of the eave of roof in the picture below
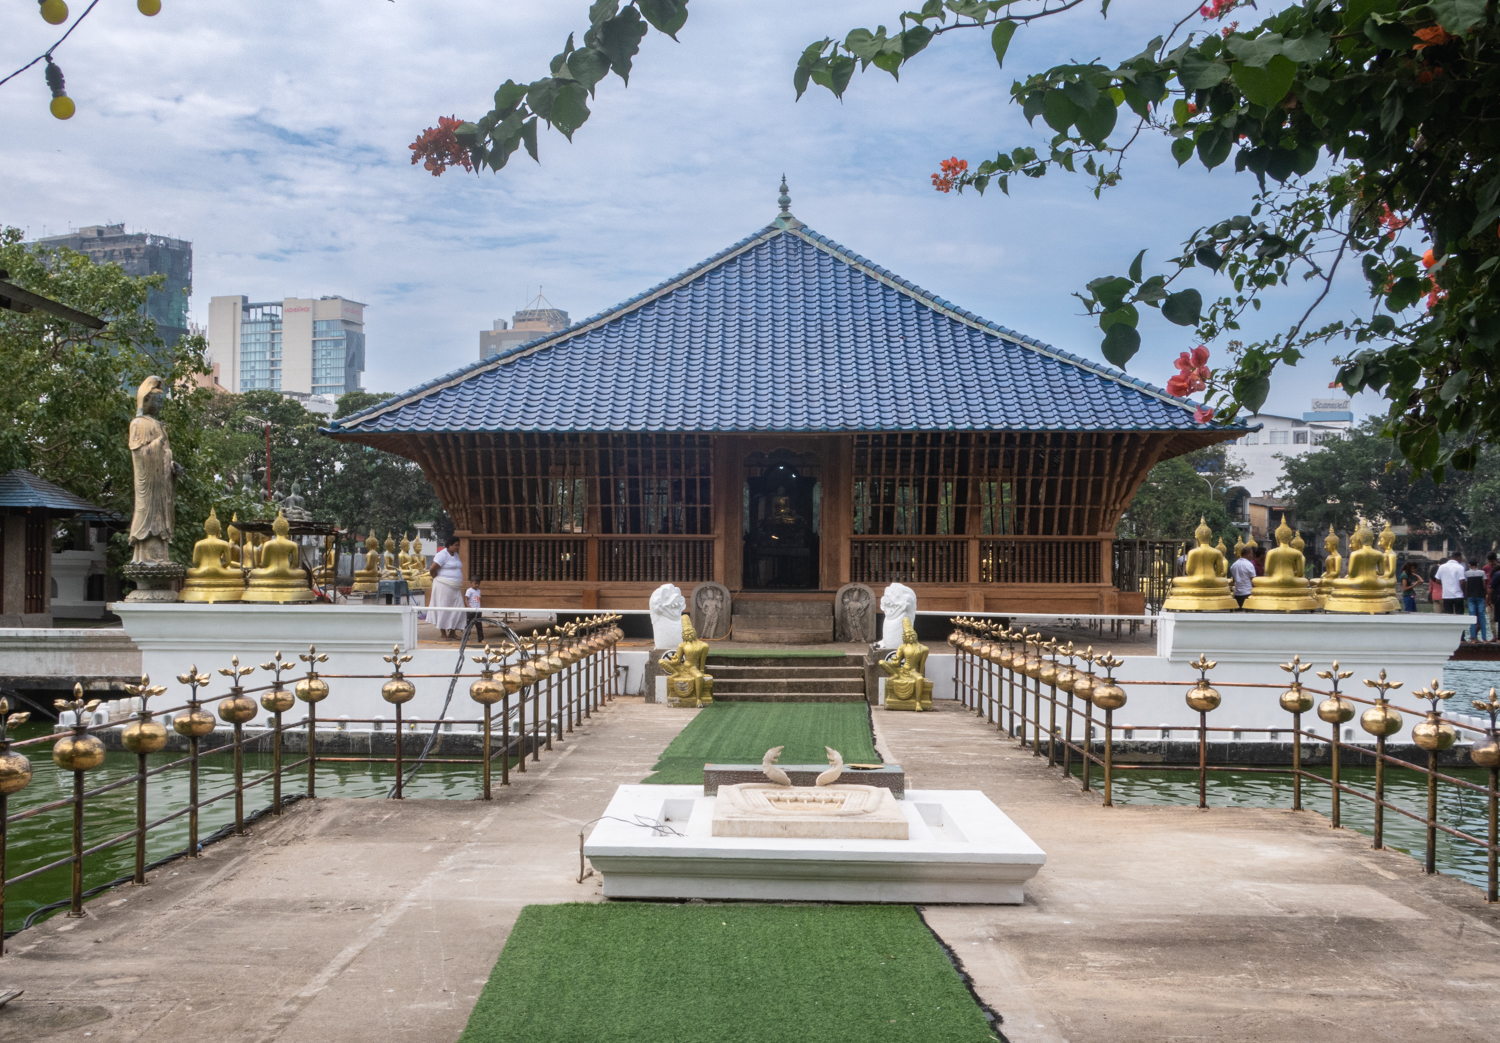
(20, 489)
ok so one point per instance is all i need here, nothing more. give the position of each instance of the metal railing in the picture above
(531, 691)
(1014, 679)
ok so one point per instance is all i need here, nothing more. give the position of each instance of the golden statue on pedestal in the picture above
(214, 577)
(367, 579)
(1204, 585)
(392, 567)
(281, 579)
(232, 534)
(417, 577)
(1390, 574)
(1284, 587)
(687, 684)
(1333, 562)
(1364, 589)
(906, 686)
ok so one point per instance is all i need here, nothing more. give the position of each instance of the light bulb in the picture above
(62, 107)
(149, 8)
(54, 12)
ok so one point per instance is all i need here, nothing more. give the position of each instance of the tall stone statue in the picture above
(151, 526)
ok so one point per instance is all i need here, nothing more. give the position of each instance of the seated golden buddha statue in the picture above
(367, 579)
(1365, 588)
(1333, 564)
(1389, 574)
(212, 578)
(232, 534)
(392, 568)
(687, 684)
(418, 577)
(281, 578)
(1204, 583)
(906, 684)
(1284, 587)
(323, 574)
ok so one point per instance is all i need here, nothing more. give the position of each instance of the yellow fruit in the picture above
(149, 8)
(62, 107)
(54, 12)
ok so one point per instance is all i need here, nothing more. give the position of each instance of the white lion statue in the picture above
(899, 602)
(667, 607)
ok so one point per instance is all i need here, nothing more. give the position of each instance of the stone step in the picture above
(768, 670)
(830, 686)
(763, 631)
(793, 661)
(787, 697)
(814, 609)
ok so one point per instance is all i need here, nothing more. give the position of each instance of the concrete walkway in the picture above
(1169, 923)
(370, 921)
(348, 921)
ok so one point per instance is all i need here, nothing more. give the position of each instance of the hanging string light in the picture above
(62, 105)
(54, 12)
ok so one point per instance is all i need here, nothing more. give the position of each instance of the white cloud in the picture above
(274, 138)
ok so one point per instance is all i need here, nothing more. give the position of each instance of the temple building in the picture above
(785, 418)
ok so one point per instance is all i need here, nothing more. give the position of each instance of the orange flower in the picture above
(440, 148)
(1433, 36)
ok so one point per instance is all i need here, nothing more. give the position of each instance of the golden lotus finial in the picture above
(1492, 707)
(194, 680)
(1382, 686)
(396, 658)
(1110, 662)
(312, 657)
(234, 671)
(1434, 694)
(1297, 668)
(1203, 664)
(145, 690)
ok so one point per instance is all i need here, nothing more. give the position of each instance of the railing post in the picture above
(78, 753)
(312, 690)
(193, 725)
(1335, 710)
(236, 708)
(398, 691)
(504, 743)
(1486, 754)
(1380, 721)
(141, 737)
(277, 701)
(1109, 697)
(15, 775)
(1433, 735)
(1296, 702)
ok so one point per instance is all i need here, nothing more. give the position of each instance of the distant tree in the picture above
(369, 490)
(1173, 498)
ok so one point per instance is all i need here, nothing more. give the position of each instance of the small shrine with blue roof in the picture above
(785, 418)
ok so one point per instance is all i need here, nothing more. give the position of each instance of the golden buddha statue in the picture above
(1204, 584)
(1223, 550)
(906, 685)
(1364, 589)
(367, 579)
(232, 534)
(1389, 574)
(281, 578)
(1333, 562)
(252, 553)
(213, 578)
(1284, 587)
(403, 556)
(687, 684)
(418, 578)
(392, 567)
(323, 574)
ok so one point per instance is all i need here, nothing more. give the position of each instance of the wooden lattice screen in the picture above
(38, 547)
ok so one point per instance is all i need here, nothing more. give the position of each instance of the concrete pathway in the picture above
(348, 921)
(1169, 923)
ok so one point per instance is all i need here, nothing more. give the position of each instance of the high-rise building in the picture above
(529, 323)
(311, 347)
(141, 253)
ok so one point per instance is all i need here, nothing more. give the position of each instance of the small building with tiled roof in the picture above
(29, 506)
(785, 418)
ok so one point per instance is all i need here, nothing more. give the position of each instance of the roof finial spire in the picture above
(785, 200)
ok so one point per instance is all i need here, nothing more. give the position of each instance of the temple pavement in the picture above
(369, 920)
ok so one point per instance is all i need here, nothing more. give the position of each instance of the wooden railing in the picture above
(908, 560)
(524, 559)
(656, 559)
(1039, 561)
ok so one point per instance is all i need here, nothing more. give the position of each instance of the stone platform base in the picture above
(657, 842)
(886, 776)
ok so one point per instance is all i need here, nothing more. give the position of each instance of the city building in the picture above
(1257, 451)
(787, 418)
(141, 253)
(302, 345)
(529, 323)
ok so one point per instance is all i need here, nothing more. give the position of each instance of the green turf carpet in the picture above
(741, 733)
(632, 972)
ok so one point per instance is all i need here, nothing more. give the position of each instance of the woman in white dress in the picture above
(447, 590)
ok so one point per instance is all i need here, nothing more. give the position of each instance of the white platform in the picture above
(962, 848)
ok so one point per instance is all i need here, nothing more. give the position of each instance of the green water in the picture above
(1458, 808)
(48, 837)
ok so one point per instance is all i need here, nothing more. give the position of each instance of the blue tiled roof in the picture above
(784, 331)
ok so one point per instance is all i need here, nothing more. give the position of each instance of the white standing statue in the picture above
(667, 607)
(899, 603)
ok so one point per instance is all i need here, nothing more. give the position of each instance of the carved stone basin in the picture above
(758, 809)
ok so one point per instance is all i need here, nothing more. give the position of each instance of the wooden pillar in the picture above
(727, 492)
(836, 454)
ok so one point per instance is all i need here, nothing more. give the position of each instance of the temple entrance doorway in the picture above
(780, 521)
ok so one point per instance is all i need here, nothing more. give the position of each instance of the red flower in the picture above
(1391, 221)
(1192, 374)
(953, 172)
(1203, 415)
(1217, 8)
(440, 147)
(1433, 36)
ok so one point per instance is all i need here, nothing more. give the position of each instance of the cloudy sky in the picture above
(273, 136)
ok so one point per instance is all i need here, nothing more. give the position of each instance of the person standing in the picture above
(475, 601)
(1450, 575)
(1242, 575)
(447, 573)
(1474, 599)
(1435, 591)
(1411, 582)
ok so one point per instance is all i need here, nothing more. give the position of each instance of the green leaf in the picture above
(620, 39)
(1095, 125)
(1180, 113)
(509, 96)
(1110, 291)
(1000, 40)
(603, 11)
(1307, 48)
(1121, 342)
(1135, 266)
(1184, 308)
(1197, 73)
(914, 39)
(1258, 52)
(1454, 386)
(1393, 36)
(1251, 392)
(667, 15)
(588, 66)
(1182, 150)
(1081, 93)
(1457, 16)
(1127, 315)
(1268, 86)
(1059, 112)
(1208, 258)
(528, 136)
(1213, 146)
